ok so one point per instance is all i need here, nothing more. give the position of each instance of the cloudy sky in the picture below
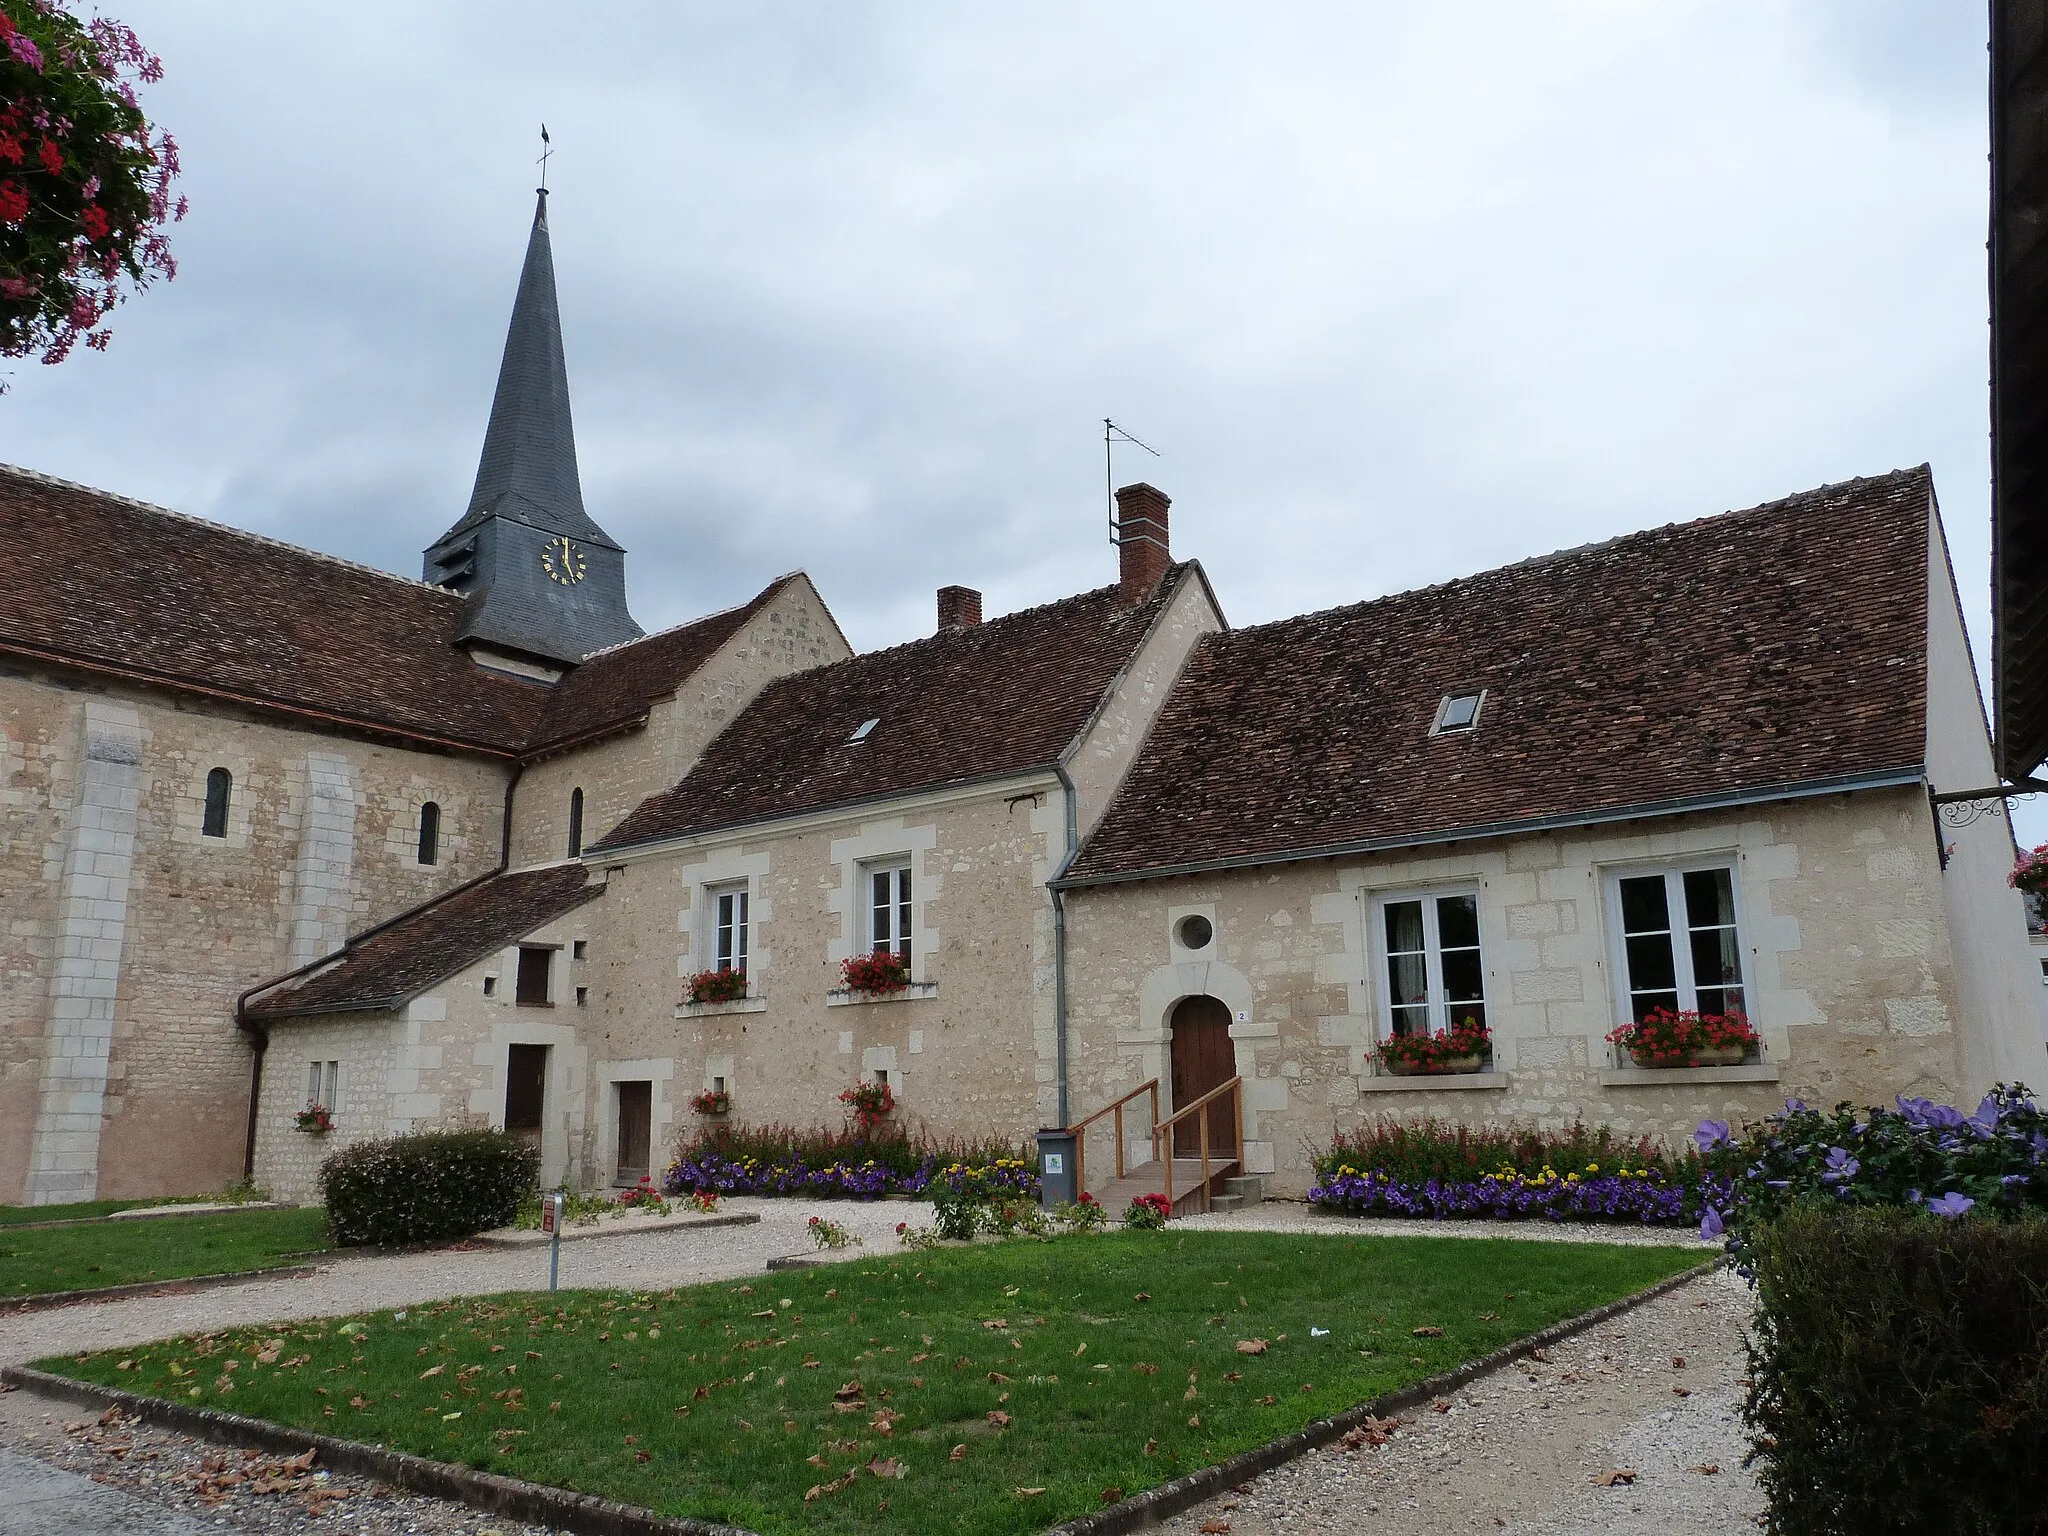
(1400, 292)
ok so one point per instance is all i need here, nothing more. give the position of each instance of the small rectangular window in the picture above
(889, 909)
(1680, 941)
(579, 949)
(430, 833)
(1435, 975)
(730, 925)
(882, 1076)
(220, 788)
(536, 967)
(583, 997)
(323, 1083)
(490, 986)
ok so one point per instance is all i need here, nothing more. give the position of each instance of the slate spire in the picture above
(528, 589)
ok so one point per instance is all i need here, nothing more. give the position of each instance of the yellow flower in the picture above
(1592, 1167)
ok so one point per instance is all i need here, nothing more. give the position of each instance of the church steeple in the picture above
(542, 577)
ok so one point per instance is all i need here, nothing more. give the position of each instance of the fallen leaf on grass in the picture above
(1144, 1368)
(1620, 1477)
(1426, 1333)
(431, 1371)
(886, 1467)
(819, 1490)
(1268, 1401)
(997, 1417)
(1194, 1421)
(959, 1453)
(1151, 1447)
(1233, 1376)
(1251, 1346)
(997, 1376)
(1028, 1493)
(1142, 1296)
(996, 1324)
(817, 1461)
(1112, 1495)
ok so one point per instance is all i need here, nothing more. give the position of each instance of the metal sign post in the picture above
(551, 1227)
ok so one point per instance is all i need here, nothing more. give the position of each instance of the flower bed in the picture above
(781, 1160)
(1662, 1038)
(1427, 1168)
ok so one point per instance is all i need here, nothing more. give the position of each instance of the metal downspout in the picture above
(1059, 940)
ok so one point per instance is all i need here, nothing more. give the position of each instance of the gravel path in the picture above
(1516, 1451)
(1523, 1450)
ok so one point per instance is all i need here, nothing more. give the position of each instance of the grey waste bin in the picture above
(1056, 1168)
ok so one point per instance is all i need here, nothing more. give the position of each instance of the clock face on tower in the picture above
(563, 561)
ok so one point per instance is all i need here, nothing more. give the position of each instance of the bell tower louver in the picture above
(541, 577)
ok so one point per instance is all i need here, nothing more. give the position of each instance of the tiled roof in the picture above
(433, 942)
(619, 684)
(963, 705)
(102, 582)
(1778, 646)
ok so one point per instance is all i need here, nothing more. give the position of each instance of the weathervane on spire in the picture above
(546, 149)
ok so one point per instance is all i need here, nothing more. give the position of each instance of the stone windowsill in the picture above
(846, 997)
(1437, 1082)
(712, 1010)
(1680, 1077)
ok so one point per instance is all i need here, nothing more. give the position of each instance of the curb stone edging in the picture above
(528, 1237)
(1156, 1505)
(147, 1212)
(15, 1306)
(533, 1503)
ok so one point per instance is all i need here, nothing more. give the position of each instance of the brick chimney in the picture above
(1143, 553)
(959, 608)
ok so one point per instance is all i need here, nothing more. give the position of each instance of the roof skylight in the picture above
(862, 730)
(1457, 712)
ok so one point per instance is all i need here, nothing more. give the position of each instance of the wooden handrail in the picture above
(1078, 1130)
(1234, 1089)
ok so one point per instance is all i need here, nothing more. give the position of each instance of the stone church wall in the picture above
(791, 634)
(139, 1010)
(1845, 947)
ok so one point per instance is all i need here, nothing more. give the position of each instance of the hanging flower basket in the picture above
(1662, 1038)
(869, 1103)
(2030, 872)
(723, 986)
(1462, 1048)
(314, 1120)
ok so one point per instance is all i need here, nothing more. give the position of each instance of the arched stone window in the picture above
(220, 787)
(430, 833)
(576, 823)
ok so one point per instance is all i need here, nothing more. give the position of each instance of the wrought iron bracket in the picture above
(1964, 807)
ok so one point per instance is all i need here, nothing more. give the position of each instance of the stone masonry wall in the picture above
(793, 633)
(1845, 949)
(202, 918)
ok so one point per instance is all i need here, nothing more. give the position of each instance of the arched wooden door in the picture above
(1203, 1060)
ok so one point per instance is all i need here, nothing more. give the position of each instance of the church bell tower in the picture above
(542, 579)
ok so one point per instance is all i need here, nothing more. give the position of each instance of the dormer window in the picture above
(1457, 712)
(862, 731)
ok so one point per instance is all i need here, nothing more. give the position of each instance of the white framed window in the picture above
(323, 1083)
(1676, 937)
(731, 935)
(888, 907)
(1432, 968)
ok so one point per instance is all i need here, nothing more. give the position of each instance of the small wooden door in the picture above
(1203, 1060)
(636, 1131)
(526, 1088)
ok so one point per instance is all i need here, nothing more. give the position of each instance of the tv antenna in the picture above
(1113, 434)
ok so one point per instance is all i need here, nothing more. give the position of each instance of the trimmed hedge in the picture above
(1899, 1373)
(433, 1187)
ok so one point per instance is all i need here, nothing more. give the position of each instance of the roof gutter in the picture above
(1059, 936)
(1881, 779)
(260, 1033)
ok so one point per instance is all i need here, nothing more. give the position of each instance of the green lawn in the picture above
(40, 1259)
(1114, 1357)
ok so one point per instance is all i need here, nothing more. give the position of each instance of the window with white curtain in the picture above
(1432, 968)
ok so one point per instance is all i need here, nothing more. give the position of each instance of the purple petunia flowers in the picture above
(1950, 1205)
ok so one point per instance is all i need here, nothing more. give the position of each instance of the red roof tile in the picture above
(967, 704)
(1779, 646)
(101, 582)
(397, 962)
